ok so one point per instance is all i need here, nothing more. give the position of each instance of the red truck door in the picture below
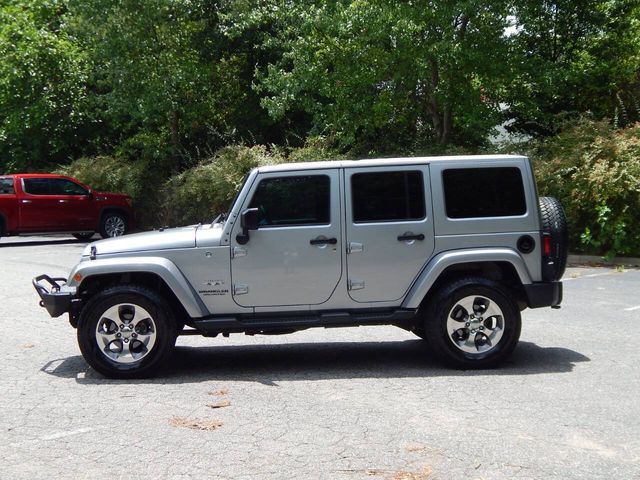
(77, 205)
(54, 204)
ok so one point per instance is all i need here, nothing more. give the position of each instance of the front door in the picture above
(293, 258)
(389, 230)
(76, 205)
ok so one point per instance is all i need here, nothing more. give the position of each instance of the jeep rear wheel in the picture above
(126, 332)
(472, 323)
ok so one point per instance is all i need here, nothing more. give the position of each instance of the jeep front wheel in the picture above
(126, 331)
(472, 323)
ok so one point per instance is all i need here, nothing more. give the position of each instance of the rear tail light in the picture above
(546, 244)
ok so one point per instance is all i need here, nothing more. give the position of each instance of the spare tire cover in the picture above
(554, 223)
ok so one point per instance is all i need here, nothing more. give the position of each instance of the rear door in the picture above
(39, 209)
(54, 204)
(389, 230)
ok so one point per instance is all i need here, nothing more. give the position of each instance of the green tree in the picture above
(148, 76)
(42, 86)
(383, 76)
(576, 56)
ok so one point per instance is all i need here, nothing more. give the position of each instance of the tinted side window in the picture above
(61, 186)
(387, 196)
(6, 186)
(483, 192)
(303, 200)
(37, 186)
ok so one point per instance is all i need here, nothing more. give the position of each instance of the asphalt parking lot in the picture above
(357, 403)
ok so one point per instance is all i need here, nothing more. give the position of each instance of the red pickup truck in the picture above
(47, 203)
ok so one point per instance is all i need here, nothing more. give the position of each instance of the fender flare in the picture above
(434, 268)
(162, 267)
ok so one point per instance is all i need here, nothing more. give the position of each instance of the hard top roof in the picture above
(383, 162)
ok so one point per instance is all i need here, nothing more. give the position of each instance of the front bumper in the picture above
(543, 294)
(56, 297)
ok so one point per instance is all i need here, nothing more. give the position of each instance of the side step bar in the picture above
(266, 323)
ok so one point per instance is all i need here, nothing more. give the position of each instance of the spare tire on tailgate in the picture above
(554, 226)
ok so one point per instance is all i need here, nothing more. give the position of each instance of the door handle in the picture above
(26, 201)
(63, 201)
(323, 241)
(406, 238)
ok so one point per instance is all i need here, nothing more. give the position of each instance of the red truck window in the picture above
(37, 186)
(52, 186)
(6, 186)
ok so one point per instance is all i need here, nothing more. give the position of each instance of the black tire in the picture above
(418, 331)
(84, 236)
(134, 360)
(113, 218)
(554, 223)
(444, 305)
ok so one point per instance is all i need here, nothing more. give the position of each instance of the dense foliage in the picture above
(595, 171)
(152, 89)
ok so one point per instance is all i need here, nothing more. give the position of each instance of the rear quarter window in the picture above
(6, 186)
(483, 192)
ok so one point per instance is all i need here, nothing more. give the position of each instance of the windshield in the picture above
(223, 216)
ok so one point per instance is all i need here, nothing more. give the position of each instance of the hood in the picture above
(171, 238)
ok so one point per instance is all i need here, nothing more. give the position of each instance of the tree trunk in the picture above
(175, 138)
(447, 125)
(434, 107)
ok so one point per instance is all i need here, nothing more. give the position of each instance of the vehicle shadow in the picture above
(40, 243)
(269, 364)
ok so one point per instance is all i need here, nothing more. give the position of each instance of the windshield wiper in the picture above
(220, 218)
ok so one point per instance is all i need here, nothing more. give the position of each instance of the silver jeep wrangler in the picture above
(449, 248)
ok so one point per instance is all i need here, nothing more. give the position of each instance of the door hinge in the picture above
(356, 284)
(354, 247)
(238, 252)
(240, 289)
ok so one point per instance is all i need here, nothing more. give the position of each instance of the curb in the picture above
(582, 259)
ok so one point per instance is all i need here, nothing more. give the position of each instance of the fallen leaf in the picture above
(400, 474)
(195, 423)
(224, 403)
(219, 393)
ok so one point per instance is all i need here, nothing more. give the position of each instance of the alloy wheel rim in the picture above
(475, 324)
(125, 333)
(114, 226)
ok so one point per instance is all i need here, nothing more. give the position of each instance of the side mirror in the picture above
(248, 221)
(90, 194)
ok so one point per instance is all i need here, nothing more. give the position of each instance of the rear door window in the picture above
(37, 186)
(387, 196)
(483, 192)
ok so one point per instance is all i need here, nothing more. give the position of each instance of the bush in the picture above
(315, 149)
(200, 193)
(594, 170)
(111, 174)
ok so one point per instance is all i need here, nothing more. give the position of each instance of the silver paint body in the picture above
(278, 270)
